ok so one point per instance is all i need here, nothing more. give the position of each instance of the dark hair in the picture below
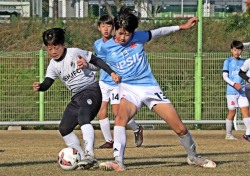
(54, 36)
(126, 19)
(106, 19)
(237, 44)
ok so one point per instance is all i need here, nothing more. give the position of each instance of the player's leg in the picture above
(102, 116)
(168, 113)
(138, 130)
(232, 104)
(105, 126)
(244, 106)
(126, 111)
(68, 122)
(90, 103)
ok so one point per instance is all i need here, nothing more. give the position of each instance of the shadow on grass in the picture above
(27, 163)
(138, 163)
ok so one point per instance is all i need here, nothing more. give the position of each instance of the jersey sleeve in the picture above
(51, 73)
(95, 48)
(141, 36)
(225, 66)
(102, 53)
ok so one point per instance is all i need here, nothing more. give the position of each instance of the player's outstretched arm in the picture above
(190, 23)
(155, 33)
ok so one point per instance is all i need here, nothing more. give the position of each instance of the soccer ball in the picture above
(68, 158)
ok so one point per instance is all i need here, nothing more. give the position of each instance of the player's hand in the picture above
(190, 23)
(116, 78)
(36, 86)
(237, 86)
(82, 63)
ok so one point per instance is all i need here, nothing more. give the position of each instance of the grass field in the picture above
(34, 152)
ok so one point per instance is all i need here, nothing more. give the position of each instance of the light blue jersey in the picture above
(232, 67)
(104, 76)
(129, 60)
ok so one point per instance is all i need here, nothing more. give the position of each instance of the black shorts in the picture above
(82, 109)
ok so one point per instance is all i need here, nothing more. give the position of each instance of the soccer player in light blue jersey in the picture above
(235, 90)
(110, 92)
(125, 54)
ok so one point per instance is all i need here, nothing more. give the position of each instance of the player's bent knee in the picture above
(64, 130)
(181, 131)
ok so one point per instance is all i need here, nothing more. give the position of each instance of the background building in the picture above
(146, 8)
(11, 7)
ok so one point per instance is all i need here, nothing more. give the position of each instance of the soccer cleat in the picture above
(199, 161)
(112, 166)
(139, 136)
(88, 162)
(246, 137)
(106, 145)
(230, 137)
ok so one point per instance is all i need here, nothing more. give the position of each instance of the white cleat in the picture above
(202, 162)
(112, 166)
(88, 163)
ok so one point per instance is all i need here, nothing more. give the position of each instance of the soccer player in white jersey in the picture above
(68, 64)
(235, 89)
(110, 90)
(244, 73)
(125, 54)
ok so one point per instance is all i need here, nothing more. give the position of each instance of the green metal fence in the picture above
(175, 73)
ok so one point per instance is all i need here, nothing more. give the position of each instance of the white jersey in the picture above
(73, 78)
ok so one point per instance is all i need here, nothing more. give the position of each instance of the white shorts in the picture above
(109, 93)
(235, 101)
(138, 95)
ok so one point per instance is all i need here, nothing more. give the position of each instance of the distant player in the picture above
(68, 64)
(235, 90)
(110, 90)
(126, 55)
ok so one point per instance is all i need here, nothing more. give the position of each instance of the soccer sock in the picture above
(247, 124)
(119, 143)
(88, 138)
(229, 126)
(105, 127)
(71, 140)
(189, 145)
(133, 125)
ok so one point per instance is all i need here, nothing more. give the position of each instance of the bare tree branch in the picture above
(108, 7)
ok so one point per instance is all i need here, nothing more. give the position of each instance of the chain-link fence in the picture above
(172, 58)
(174, 71)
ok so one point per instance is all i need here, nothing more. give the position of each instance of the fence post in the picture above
(198, 67)
(41, 78)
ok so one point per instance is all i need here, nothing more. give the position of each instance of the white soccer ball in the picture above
(68, 158)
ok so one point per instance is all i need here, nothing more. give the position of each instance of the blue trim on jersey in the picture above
(130, 60)
(232, 66)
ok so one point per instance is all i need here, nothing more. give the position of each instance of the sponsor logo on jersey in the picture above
(235, 72)
(71, 75)
(128, 61)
